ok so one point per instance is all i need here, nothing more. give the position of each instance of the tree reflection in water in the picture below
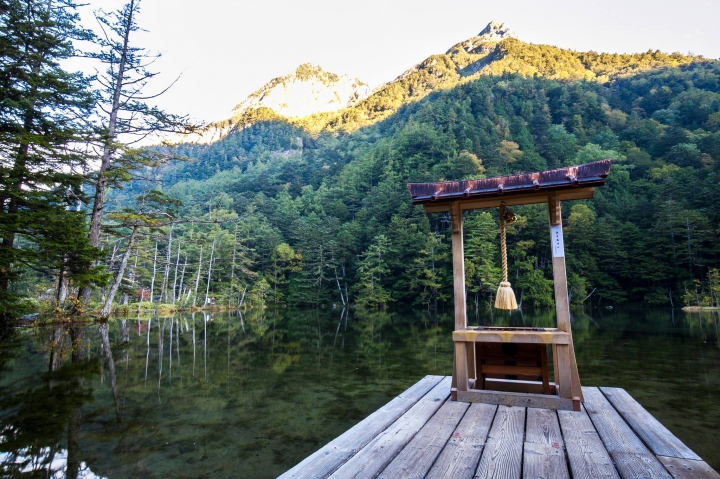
(276, 385)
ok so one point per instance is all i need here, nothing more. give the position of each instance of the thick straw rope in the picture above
(505, 298)
(503, 244)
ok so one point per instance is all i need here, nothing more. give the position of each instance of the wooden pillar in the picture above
(460, 363)
(458, 255)
(566, 373)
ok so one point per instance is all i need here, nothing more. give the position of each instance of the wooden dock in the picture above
(422, 434)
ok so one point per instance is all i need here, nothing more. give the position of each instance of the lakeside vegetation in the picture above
(314, 211)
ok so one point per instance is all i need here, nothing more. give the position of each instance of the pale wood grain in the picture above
(377, 454)
(328, 458)
(570, 387)
(414, 461)
(655, 436)
(586, 452)
(688, 469)
(541, 461)
(542, 427)
(460, 457)
(509, 398)
(543, 453)
(549, 336)
(458, 256)
(502, 455)
(632, 458)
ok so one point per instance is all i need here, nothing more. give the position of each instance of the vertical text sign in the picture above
(556, 234)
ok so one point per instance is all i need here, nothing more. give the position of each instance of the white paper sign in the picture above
(556, 235)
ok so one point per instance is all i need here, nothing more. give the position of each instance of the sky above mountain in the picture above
(224, 50)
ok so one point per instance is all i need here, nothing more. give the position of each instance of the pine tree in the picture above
(42, 114)
(126, 117)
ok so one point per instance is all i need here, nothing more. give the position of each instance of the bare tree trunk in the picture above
(232, 271)
(119, 275)
(177, 263)
(197, 279)
(342, 298)
(109, 146)
(182, 279)
(212, 253)
(242, 298)
(152, 282)
(166, 276)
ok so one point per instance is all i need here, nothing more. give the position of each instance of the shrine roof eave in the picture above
(588, 175)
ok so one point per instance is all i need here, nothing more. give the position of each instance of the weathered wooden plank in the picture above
(328, 458)
(543, 428)
(520, 199)
(586, 452)
(615, 433)
(461, 369)
(543, 454)
(458, 257)
(414, 461)
(571, 388)
(655, 436)
(541, 461)
(688, 468)
(517, 385)
(631, 457)
(378, 453)
(549, 336)
(502, 455)
(460, 457)
(509, 398)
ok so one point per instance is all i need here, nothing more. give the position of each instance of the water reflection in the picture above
(276, 385)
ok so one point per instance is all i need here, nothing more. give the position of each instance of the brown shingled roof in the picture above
(587, 175)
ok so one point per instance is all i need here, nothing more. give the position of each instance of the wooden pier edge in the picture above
(422, 434)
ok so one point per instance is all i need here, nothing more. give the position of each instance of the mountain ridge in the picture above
(496, 50)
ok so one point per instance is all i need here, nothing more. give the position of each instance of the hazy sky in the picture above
(226, 49)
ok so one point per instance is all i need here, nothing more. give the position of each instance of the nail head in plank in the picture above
(378, 453)
(656, 436)
(543, 428)
(543, 454)
(688, 469)
(414, 461)
(328, 458)
(502, 455)
(461, 454)
(586, 452)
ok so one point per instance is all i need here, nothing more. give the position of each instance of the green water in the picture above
(224, 396)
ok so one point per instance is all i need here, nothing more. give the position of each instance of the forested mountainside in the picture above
(314, 218)
(315, 211)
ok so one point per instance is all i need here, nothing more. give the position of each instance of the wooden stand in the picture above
(468, 382)
(503, 378)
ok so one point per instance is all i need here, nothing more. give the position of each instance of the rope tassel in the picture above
(505, 298)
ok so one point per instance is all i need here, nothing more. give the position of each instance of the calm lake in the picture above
(218, 395)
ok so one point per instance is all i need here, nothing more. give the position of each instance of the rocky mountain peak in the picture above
(495, 32)
(307, 90)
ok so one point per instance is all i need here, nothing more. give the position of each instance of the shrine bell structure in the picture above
(509, 365)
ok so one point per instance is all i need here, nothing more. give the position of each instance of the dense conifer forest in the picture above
(314, 211)
(318, 219)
